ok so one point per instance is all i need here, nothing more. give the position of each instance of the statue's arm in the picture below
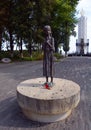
(53, 46)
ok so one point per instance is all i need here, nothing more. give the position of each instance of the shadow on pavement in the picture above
(12, 116)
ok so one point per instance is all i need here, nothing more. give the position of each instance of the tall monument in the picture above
(82, 43)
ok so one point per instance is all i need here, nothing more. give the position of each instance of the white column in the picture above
(82, 33)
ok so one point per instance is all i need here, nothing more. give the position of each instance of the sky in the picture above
(86, 6)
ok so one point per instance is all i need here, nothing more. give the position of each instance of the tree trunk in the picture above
(56, 47)
(0, 39)
(21, 51)
(30, 49)
(11, 43)
(66, 54)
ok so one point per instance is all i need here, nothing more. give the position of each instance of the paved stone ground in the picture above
(77, 69)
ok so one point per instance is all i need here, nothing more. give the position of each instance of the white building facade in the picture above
(82, 43)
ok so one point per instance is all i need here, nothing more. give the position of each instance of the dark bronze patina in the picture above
(48, 48)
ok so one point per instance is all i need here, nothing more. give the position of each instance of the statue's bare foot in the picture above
(51, 84)
(46, 85)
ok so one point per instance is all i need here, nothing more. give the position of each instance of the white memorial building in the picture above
(82, 43)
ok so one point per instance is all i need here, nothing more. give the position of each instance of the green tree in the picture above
(23, 20)
(3, 18)
(64, 21)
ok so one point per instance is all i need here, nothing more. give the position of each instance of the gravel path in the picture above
(77, 69)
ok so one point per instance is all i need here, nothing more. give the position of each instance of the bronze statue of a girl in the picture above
(48, 48)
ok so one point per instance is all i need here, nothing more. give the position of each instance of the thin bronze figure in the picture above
(48, 48)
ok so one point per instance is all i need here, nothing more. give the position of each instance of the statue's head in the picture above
(47, 29)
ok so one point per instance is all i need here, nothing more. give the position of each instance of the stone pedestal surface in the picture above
(44, 105)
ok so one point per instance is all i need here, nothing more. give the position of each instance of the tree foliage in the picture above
(23, 21)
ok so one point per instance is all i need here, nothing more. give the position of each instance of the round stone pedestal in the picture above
(44, 105)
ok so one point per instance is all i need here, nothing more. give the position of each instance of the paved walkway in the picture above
(77, 69)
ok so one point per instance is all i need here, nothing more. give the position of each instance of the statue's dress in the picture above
(48, 68)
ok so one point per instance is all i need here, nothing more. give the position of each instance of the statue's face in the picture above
(47, 30)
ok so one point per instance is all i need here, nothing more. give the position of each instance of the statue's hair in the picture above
(47, 27)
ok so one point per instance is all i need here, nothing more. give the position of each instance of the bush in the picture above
(26, 53)
(4, 54)
(16, 56)
(58, 56)
(26, 59)
(37, 55)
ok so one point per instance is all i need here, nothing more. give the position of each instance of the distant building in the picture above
(82, 43)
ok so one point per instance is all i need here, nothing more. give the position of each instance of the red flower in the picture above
(47, 86)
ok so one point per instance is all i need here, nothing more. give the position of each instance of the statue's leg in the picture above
(51, 79)
(51, 83)
(46, 78)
